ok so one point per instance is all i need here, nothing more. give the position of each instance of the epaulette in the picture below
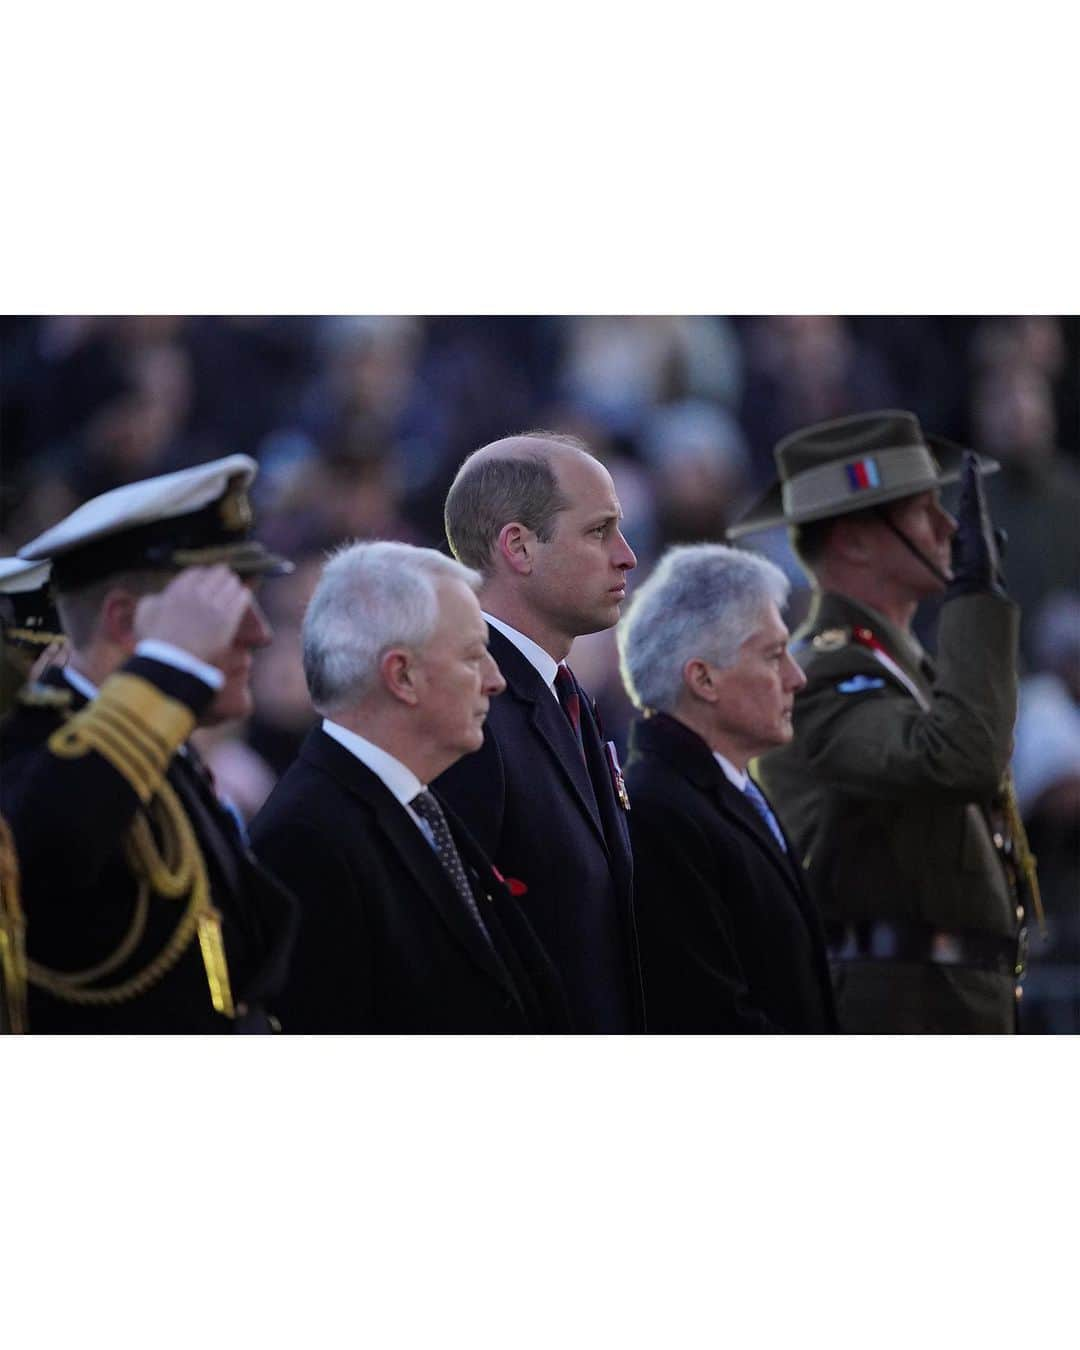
(138, 729)
(831, 639)
(133, 725)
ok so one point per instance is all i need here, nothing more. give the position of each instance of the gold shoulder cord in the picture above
(12, 934)
(138, 729)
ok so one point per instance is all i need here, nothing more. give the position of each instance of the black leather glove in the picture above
(976, 562)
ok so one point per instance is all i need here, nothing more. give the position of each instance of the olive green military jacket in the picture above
(886, 791)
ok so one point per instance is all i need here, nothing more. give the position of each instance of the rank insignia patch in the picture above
(859, 684)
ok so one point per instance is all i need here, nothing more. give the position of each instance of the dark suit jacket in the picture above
(70, 818)
(730, 940)
(552, 821)
(386, 944)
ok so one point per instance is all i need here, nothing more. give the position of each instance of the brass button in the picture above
(1019, 992)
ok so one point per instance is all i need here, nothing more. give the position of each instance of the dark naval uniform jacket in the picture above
(889, 791)
(111, 945)
(386, 943)
(730, 939)
(552, 821)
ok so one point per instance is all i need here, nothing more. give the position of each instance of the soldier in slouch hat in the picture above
(895, 787)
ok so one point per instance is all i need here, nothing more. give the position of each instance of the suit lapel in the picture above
(612, 816)
(742, 813)
(687, 752)
(410, 845)
(548, 720)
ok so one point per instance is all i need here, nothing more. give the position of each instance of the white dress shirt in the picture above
(539, 659)
(731, 773)
(396, 777)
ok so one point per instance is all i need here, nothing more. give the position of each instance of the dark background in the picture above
(359, 424)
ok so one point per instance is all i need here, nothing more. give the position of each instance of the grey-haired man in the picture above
(405, 925)
(730, 939)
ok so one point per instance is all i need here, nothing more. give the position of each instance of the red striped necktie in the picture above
(567, 690)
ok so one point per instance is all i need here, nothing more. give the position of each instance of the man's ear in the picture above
(117, 623)
(698, 679)
(851, 541)
(516, 545)
(398, 672)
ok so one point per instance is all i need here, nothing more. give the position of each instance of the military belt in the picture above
(895, 940)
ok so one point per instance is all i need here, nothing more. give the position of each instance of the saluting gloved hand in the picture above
(976, 561)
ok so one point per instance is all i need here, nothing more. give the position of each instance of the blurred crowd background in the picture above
(359, 423)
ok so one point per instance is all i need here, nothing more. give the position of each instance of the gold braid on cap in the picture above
(38, 637)
(138, 729)
(12, 934)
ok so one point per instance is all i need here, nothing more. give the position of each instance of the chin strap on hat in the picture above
(910, 545)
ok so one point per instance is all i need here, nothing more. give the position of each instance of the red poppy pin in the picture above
(512, 884)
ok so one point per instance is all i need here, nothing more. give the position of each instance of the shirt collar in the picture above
(399, 780)
(731, 773)
(541, 660)
(80, 683)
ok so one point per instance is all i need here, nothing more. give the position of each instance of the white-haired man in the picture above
(405, 925)
(730, 940)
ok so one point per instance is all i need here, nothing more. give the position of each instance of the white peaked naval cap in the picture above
(18, 575)
(196, 516)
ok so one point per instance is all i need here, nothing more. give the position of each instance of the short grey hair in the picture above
(489, 493)
(702, 600)
(369, 598)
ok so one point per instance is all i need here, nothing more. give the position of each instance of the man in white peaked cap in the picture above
(144, 910)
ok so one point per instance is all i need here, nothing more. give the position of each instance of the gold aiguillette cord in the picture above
(1025, 859)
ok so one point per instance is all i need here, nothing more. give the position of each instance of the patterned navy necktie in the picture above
(427, 807)
(756, 798)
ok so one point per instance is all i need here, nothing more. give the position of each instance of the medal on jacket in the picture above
(617, 780)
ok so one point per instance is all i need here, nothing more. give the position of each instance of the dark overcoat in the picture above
(71, 808)
(385, 942)
(550, 818)
(730, 939)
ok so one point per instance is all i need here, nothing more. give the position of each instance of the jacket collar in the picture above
(525, 684)
(668, 739)
(542, 662)
(327, 755)
(665, 736)
(828, 609)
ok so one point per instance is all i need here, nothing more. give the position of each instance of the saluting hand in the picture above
(976, 562)
(199, 611)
